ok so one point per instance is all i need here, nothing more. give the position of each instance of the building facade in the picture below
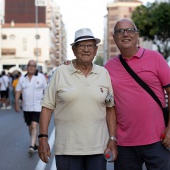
(32, 32)
(116, 10)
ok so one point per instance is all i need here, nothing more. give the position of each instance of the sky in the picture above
(79, 14)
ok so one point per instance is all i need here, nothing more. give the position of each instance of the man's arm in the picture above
(17, 96)
(44, 148)
(111, 122)
(166, 140)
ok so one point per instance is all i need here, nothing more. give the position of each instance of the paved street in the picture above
(15, 142)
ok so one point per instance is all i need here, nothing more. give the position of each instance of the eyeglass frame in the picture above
(122, 33)
(83, 46)
(30, 65)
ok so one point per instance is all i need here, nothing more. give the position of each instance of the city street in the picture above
(15, 142)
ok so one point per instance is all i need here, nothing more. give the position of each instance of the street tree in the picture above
(99, 61)
(153, 22)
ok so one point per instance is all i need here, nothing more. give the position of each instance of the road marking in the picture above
(53, 165)
(41, 165)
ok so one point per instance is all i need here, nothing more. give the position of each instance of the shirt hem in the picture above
(138, 144)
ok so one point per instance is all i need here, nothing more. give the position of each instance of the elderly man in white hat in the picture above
(80, 95)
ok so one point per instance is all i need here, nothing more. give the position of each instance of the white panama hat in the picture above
(84, 34)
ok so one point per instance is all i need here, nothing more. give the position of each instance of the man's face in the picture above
(85, 51)
(125, 35)
(31, 67)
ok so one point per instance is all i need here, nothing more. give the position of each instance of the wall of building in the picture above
(20, 46)
(21, 30)
(116, 10)
(23, 11)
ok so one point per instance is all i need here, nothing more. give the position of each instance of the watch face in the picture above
(113, 138)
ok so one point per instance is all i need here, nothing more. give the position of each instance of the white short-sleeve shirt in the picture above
(4, 81)
(32, 91)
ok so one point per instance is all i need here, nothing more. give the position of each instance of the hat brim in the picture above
(96, 39)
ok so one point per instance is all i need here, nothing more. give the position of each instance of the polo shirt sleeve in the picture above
(50, 94)
(163, 71)
(110, 91)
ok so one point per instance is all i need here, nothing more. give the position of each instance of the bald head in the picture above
(32, 62)
(123, 22)
(31, 67)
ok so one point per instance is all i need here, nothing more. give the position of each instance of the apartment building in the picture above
(116, 10)
(32, 32)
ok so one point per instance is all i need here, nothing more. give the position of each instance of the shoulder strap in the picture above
(140, 81)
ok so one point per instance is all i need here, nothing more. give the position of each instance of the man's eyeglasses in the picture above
(83, 46)
(129, 31)
(29, 65)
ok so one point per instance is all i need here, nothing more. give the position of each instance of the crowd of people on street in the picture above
(97, 109)
(8, 83)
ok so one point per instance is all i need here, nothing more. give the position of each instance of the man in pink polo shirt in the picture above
(139, 118)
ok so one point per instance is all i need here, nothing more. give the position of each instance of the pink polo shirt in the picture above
(139, 117)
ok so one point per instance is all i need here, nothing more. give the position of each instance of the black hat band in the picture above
(82, 37)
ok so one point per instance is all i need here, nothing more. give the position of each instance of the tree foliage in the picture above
(99, 60)
(153, 22)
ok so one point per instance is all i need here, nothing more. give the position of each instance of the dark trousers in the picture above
(155, 156)
(81, 162)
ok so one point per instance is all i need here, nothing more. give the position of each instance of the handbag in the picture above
(146, 88)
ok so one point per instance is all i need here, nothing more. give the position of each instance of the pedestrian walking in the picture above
(81, 96)
(32, 86)
(140, 121)
(11, 90)
(4, 88)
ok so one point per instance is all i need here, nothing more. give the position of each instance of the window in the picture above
(37, 51)
(113, 49)
(24, 48)
(24, 40)
(12, 36)
(130, 10)
(7, 51)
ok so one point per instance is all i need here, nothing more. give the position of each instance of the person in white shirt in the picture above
(4, 88)
(32, 86)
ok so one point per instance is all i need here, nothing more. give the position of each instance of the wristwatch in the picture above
(113, 138)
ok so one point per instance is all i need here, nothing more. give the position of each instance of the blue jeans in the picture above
(80, 162)
(155, 156)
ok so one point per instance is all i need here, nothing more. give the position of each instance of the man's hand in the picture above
(44, 149)
(165, 138)
(17, 107)
(112, 146)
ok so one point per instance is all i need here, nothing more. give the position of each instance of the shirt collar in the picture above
(72, 70)
(139, 53)
(36, 73)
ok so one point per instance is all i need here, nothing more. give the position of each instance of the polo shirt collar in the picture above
(72, 70)
(36, 73)
(139, 53)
